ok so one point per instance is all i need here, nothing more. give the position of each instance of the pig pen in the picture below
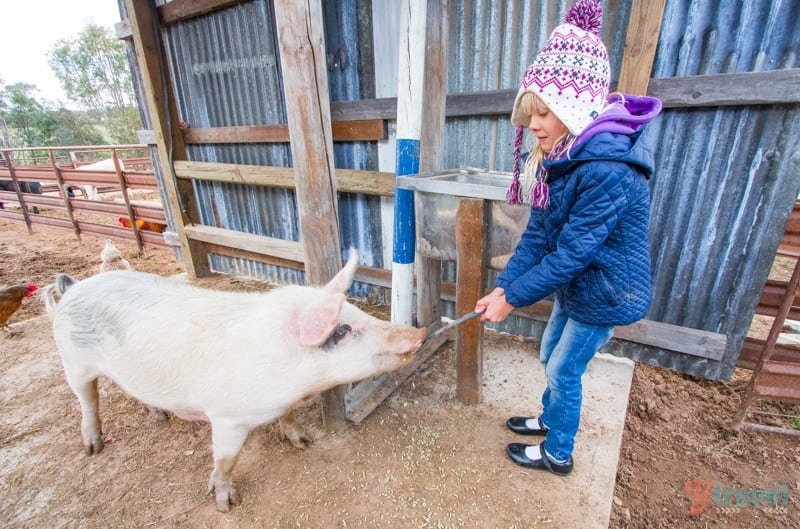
(421, 459)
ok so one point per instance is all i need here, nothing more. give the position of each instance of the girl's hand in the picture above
(494, 306)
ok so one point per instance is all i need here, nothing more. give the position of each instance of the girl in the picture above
(587, 238)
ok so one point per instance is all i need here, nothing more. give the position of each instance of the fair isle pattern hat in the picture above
(571, 76)
(571, 73)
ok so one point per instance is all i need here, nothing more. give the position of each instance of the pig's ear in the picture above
(342, 281)
(317, 321)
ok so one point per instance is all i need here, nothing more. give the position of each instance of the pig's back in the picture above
(167, 343)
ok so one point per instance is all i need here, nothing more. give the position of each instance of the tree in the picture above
(94, 72)
(27, 121)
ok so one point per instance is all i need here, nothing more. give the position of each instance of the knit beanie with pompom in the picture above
(570, 74)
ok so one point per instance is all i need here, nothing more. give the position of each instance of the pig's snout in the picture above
(409, 341)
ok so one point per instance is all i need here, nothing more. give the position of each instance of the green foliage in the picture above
(25, 121)
(93, 70)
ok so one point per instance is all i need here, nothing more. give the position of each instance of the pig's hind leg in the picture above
(85, 388)
(227, 439)
(292, 431)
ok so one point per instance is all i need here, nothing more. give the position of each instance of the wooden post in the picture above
(641, 41)
(305, 81)
(157, 90)
(64, 192)
(470, 279)
(18, 189)
(410, 94)
(429, 271)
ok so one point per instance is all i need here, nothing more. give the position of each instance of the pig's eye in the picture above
(336, 336)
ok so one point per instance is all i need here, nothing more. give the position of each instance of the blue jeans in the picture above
(567, 347)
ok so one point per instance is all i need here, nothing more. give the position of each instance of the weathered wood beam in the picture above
(641, 41)
(362, 130)
(347, 180)
(301, 41)
(432, 147)
(471, 245)
(162, 111)
(283, 249)
(180, 10)
(733, 89)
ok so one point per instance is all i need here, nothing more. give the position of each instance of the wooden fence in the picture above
(60, 200)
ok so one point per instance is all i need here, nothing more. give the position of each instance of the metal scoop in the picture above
(462, 319)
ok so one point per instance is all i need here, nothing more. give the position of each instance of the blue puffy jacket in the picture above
(590, 246)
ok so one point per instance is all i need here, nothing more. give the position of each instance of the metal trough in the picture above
(436, 198)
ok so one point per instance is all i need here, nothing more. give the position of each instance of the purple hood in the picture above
(622, 117)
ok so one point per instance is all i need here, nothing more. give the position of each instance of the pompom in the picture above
(587, 15)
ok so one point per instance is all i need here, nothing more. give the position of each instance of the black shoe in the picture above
(517, 425)
(516, 451)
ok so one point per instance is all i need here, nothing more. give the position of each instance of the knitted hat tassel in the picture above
(514, 195)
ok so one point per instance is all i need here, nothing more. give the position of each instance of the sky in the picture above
(31, 27)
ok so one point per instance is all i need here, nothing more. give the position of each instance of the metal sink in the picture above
(464, 182)
(436, 198)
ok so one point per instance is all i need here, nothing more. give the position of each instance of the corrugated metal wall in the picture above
(725, 177)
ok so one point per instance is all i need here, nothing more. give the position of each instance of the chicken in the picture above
(11, 300)
(111, 259)
(142, 225)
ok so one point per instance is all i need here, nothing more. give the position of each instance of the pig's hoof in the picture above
(94, 446)
(156, 413)
(295, 435)
(225, 495)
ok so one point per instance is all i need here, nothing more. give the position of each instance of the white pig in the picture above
(238, 360)
(89, 191)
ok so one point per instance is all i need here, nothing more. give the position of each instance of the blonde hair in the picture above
(529, 104)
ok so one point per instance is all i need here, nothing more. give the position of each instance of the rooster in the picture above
(10, 302)
(111, 259)
(142, 225)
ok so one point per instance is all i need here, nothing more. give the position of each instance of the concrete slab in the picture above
(513, 383)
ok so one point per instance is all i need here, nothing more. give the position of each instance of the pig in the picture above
(237, 360)
(89, 191)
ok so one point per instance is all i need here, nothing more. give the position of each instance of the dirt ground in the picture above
(677, 444)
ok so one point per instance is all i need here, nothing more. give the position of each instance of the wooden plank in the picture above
(368, 394)
(695, 342)
(470, 280)
(301, 41)
(283, 249)
(157, 90)
(644, 26)
(429, 271)
(735, 89)
(363, 130)
(180, 10)
(347, 180)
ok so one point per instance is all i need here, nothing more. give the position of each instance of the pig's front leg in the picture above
(292, 431)
(86, 390)
(227, 440)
